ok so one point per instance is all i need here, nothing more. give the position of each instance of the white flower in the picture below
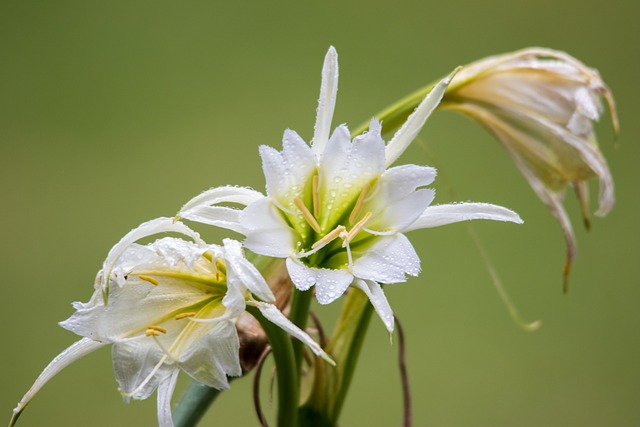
(336, 210)
(171, 306)
(541, 104)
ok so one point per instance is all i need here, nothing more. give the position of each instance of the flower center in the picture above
(346, 232)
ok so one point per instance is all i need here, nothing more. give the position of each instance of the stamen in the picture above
(149, 279)
(330, 237)
(356, 228)
(307, 215)
(379, 233)
(157, 329)
(184, 315)
(151, 332)
(323, 242)
(357, 209)
(316, 195)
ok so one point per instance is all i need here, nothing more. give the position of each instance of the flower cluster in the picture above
(337, 211)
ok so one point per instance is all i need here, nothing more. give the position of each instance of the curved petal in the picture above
(374, 292)
(149, 228)
(267, 232)
(326, 102)
(397, 201)
(330, 284)
(388, 260)
(238, 268)
(165, 391)
(76, 351)
(202, 208)
(435, 216)
(276, 317)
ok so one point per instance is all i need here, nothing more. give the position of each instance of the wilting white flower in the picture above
(171, 306)
(336, 210)
(541, 104)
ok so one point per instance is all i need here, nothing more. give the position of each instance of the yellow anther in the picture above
(149, 279)
(157, 328)
(329, 237)
(357, 209)
(316, 195)
(208, 256)
(356, 228)
(183, 315)
(152, 332)
(307, 215)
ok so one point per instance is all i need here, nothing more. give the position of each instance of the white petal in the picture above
(330, 284)
(165, 391)
(139, 366)
(202, 207)
(435, 216)
(274, 315)
(138, 303)
(326, 102)
(267, 232)
(238, 268)
(346, 167)
(398, 201)
(149, 228)
(379, 301)
(388, 260)
(211, 357)
(410, 129)
(288, 172)
(74, 352)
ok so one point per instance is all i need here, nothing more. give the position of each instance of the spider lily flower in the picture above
(172, 306)
(336, 210)
(541, 104)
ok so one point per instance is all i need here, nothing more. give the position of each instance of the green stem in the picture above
(299, 314)
(287, 374)
(193, 404)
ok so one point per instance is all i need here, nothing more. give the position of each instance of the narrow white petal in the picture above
(165, 391)
(326, 102)
(379, 301)
(388, 260)
(274, 315)
(410, 129)
(435, 216)
(202, 208)
(238, 268)
(74, 352)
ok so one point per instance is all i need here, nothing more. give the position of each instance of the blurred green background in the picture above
(112, 113)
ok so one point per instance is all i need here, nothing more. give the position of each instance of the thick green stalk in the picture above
(331, 384)
(286, 371)
(193, 404)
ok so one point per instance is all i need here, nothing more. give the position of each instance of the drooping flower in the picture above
(171, 306)
(541, 104)
(336, 210)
